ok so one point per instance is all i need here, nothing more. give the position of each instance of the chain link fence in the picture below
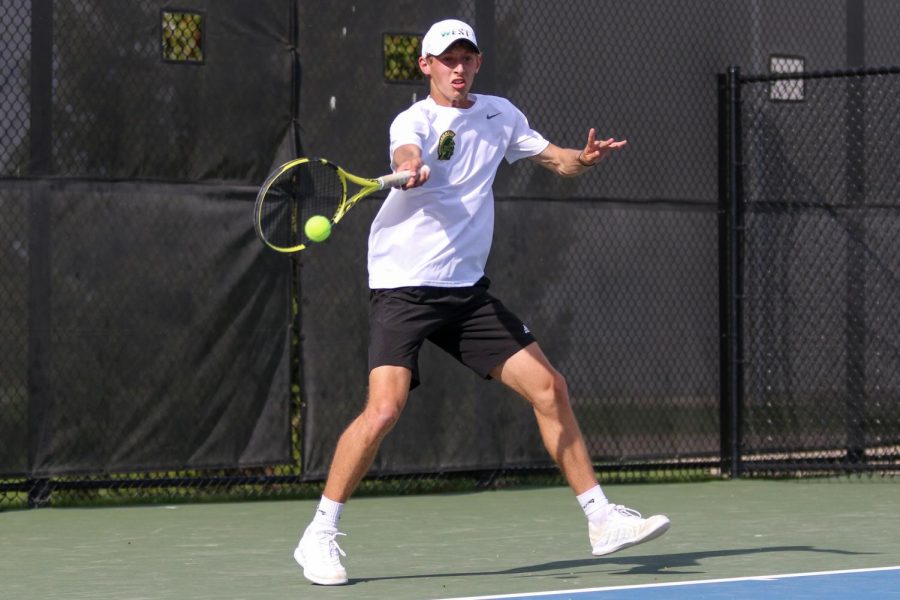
(151, 349)
(15, 91)
(144, 334)
(821, 272)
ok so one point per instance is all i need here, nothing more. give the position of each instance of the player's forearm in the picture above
(565, 162)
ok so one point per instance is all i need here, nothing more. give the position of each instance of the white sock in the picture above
(328, 513)
(593, 502)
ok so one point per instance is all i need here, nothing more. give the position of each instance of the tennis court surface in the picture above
(729, 539)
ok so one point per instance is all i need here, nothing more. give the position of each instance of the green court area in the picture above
(450, 545)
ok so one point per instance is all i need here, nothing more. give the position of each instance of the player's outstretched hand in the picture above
(595, 150)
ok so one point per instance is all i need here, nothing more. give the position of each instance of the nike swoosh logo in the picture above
(494, 115)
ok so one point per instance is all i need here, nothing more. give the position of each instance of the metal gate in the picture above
(810, 270)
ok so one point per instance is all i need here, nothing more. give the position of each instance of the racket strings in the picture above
(302, 191)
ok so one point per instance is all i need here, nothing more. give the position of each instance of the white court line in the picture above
(680, 583)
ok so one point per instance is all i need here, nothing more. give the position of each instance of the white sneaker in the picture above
(624, 528)
(319, 555)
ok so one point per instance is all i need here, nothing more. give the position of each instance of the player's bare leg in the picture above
(318, 552)
(611, 527)
(358, 445)
(529, 373)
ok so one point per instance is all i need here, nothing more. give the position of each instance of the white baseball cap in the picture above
(443, 33)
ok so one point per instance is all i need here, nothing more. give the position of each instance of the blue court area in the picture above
(855, 584)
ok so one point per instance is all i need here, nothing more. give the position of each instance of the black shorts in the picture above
(466, 322)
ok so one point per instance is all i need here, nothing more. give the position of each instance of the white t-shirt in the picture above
(440, 234)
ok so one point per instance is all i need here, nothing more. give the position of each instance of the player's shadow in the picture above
(637, 565)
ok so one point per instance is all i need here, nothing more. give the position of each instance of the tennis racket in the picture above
(304, 188)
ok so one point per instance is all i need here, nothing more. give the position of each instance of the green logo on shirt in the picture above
(446, 145)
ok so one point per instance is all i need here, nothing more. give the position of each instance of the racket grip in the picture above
(399, 178)
(394, 180)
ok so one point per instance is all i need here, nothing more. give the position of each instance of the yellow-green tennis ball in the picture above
(317, 228)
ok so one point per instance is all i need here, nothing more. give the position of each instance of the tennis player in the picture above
(427, 251)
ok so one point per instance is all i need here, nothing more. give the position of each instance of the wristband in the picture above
(582, 163)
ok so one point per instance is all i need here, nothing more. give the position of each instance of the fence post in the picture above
(731, 239)
(39, 243)
(855, 173)
(486, 26)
